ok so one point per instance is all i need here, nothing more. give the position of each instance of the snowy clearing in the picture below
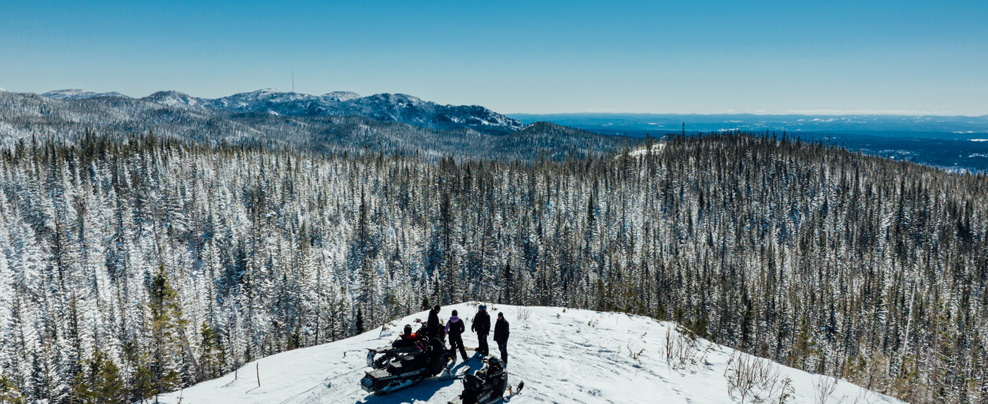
(562, 355)
(656, 148)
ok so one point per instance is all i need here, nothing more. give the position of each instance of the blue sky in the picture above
(520, 56)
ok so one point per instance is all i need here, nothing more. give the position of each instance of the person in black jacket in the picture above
(455, 328)
(482, 326)
(408, 338)
(501, 336)
(433, 326)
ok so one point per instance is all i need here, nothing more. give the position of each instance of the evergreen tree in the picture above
(166, 324)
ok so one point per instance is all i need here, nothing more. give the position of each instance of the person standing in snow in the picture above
(433, 326)
(455, 328)
(501, 336)
(482, 326)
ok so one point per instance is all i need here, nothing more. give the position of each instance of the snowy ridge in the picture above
(384, 107)
(76, 94)
(562, 355)
(342, 95)
(380, 107)
(176, 99)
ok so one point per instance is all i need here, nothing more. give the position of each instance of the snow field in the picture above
(562, 355)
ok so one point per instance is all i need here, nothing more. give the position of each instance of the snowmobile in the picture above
(484, 386)
(380, 358)
(409, 368)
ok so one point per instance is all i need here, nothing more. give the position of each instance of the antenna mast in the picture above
(293, 81)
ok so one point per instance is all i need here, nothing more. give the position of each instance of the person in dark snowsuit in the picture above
(455, 328)
(482, 326)
(501, 336)
(433, 326)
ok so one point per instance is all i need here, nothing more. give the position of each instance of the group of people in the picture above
(455, 328)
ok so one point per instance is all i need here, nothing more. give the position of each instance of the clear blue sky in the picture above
(519, 56)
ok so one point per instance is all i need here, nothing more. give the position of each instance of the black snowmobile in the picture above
(408, 368)
(484, 386)
(380, 358)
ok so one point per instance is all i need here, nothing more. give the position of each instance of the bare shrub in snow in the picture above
(755, 380)
(825, 387)
(524, 313)
(682, 353)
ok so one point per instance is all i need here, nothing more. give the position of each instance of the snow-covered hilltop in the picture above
(76, 94)
(562, 355)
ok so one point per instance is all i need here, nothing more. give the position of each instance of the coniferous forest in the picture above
(139, 266)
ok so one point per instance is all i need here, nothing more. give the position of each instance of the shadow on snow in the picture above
(424, 390)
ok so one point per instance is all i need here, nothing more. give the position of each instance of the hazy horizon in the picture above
(712, 57)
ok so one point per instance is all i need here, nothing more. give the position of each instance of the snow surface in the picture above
(562, 355)
(640, 152)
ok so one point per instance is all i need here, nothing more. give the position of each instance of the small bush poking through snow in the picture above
(524, 313)
(755, 380)
(682, 352)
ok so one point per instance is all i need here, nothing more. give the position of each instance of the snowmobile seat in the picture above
(407, 362)
(412, 360)
(378, 374)
(395, 368)
(472, 383)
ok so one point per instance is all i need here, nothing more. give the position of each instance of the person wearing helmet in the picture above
(482, 326)
(408, 338)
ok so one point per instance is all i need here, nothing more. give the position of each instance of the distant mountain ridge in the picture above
(76, 94)
(385, 107)
(332, 122)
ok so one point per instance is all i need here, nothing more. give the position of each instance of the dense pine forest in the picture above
(133, 267)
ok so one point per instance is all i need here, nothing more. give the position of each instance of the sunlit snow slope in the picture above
(562, 355)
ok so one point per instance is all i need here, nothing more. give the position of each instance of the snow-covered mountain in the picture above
(562, 355)
(76, 94)
(176, 99)
(337, 122)
(380, 107)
